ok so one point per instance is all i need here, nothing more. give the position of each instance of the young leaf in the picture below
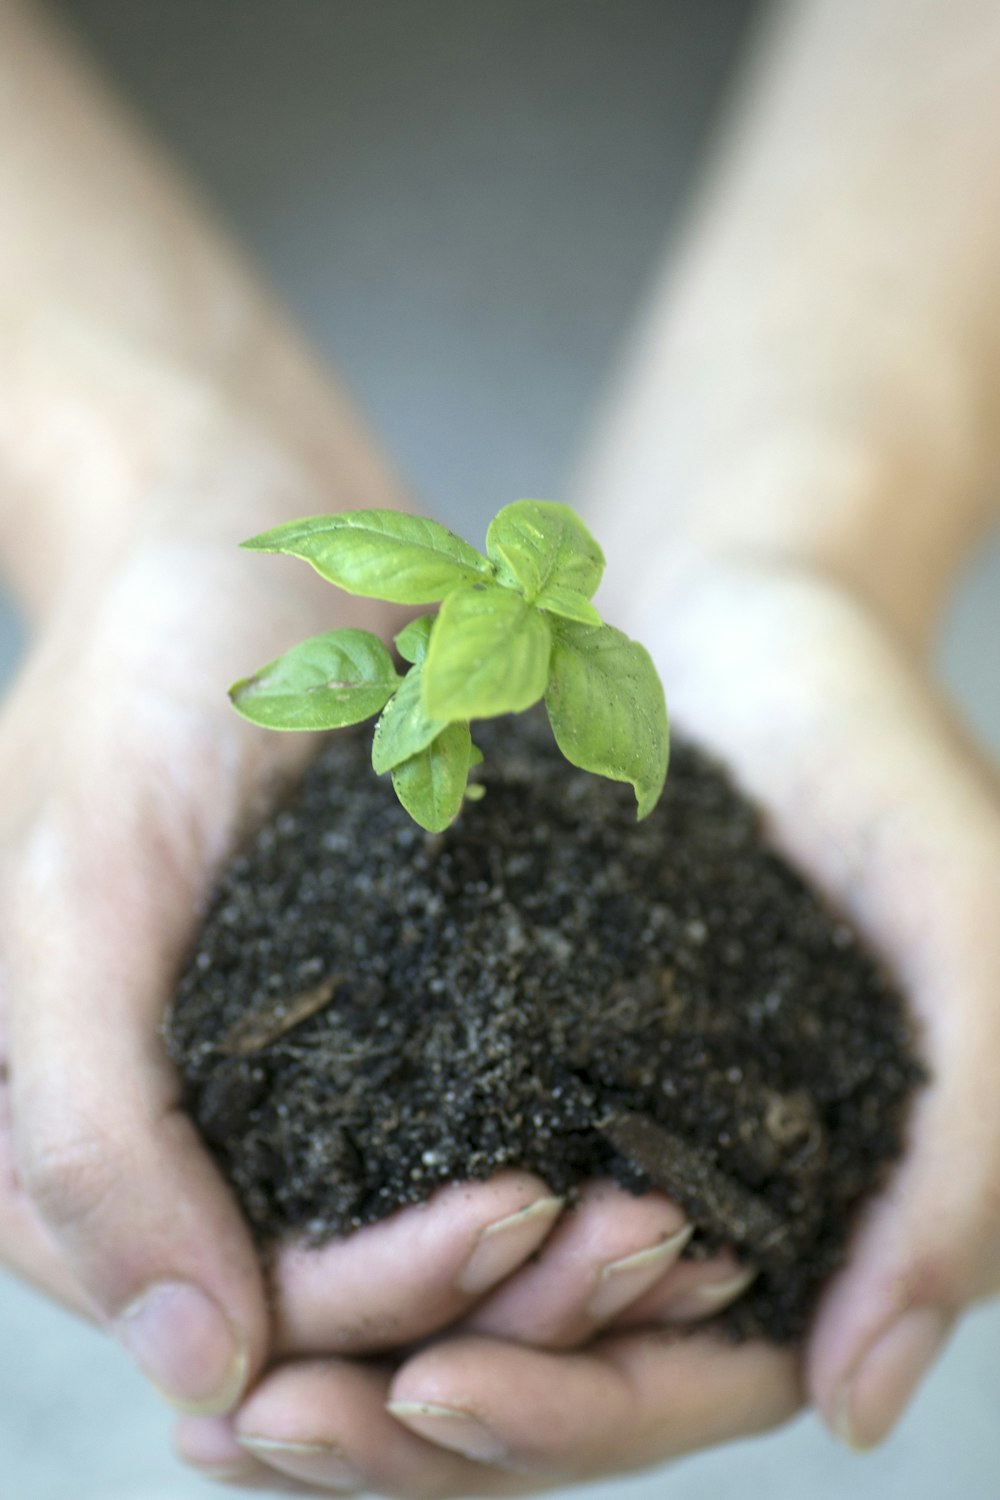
(539, 545)
(568, 605)
(404, 728)
(606, 707)
(413, 640)
(489, 654)
(326, 682)
(383, 554)
(431, 784)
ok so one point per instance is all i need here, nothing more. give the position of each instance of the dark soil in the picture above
(371, 1011)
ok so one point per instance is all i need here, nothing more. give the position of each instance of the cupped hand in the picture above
(128, 778)
(560, 1389)
(125, 781)
(478, 1416)
(873, 788)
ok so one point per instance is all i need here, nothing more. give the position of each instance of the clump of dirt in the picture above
(371, 1011)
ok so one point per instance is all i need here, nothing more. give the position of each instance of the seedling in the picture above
(514, 626)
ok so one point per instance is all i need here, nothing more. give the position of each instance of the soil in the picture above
(371, 1011)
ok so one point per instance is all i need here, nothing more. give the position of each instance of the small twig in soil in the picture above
(277, 1017)
(720, 1202)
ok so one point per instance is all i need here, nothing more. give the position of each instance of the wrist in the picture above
(887, 521)
(821, 424)
(107, 444)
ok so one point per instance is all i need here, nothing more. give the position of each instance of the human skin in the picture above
(804, 448)
(145, 432)
(157, 407)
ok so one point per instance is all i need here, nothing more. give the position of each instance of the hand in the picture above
(543, 1382)
(871, 787)
(568, 1391)
(128, 777)
(126, 780)
(125, 784)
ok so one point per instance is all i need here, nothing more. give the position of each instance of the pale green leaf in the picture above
(383, 554)
(412, 641)
(540, 545)
(326, 682)
(431, 784)
(605, 703)
(404, 728)
(568, 605)
(489, 654)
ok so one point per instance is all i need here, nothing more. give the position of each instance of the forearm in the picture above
(818, 378)
(134, 338)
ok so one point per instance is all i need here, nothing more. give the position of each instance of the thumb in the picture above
(930, 1245)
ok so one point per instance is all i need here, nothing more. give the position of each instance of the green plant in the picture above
(513, 627)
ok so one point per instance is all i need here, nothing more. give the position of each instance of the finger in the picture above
(929, 1246)
(692, 1292)
(109, 1161)
(475, 1416)
(325, 1425)
(606, 1252)
(397, 1281)
(629, 1401)
(208, 1445)
(926, 1249)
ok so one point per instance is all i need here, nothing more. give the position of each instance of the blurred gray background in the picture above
(463, 199)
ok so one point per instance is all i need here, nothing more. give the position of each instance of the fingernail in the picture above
(316, 1463)
(450, 1428)
(869, 1403)
(703, 1301)
(503, 1246)
(620, 1282)
(183, 1342)
(227, 1473)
